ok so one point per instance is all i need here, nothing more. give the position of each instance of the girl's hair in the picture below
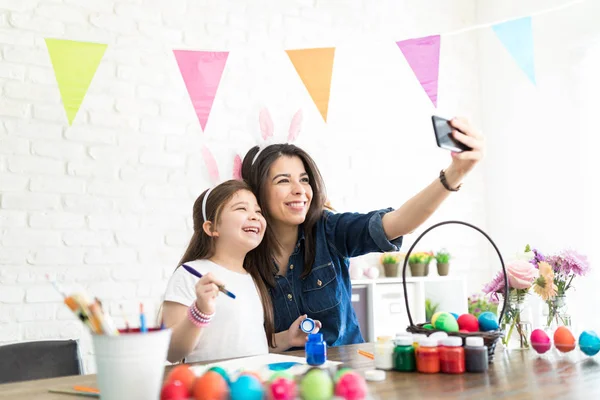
(202, 246)
(257, 175)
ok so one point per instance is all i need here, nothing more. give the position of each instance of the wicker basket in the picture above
(489, 338)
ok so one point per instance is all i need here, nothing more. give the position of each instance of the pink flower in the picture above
(521, 274)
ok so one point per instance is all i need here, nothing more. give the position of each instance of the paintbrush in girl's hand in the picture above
(199, 275)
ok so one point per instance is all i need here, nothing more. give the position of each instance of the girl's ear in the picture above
(211, 165)
(207, 228)
(237, 167)
(266, 123)
(295, 126)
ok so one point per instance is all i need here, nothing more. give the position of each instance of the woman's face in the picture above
(288, 191)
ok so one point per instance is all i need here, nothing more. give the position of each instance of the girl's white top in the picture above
(237, 328)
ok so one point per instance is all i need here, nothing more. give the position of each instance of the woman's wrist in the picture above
(453, 176)
(197, 317)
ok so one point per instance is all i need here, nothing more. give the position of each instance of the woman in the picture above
(308, 246)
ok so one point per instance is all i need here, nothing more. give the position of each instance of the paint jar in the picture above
(404, 354)
(384, 353)
(476, 355)
(428, 356)
(307, 325)
(316, 349)
(452, 356)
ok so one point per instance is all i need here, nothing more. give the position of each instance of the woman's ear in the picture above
(207, 228)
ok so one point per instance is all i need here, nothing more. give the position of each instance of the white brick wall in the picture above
(105, 204)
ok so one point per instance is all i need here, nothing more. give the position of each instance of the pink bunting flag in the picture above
(201, 72)
(423, 56)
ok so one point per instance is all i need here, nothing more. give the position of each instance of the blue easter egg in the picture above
(487, 321)
(246, 387)
(455, 315)
(589, 343)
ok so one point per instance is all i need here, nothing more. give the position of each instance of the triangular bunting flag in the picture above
(75, 64)
(315, 66)
(201, 72)
(517, 37)
(423, 56)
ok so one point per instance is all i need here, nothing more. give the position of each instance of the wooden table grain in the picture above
(514, 375)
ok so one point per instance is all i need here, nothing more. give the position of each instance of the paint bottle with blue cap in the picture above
(316, 349)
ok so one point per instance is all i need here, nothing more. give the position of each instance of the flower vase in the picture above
(516, 324)
(557, 313)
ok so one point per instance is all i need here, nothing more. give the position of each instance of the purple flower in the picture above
(537, 258)
(495, 285)
(569, 262)
(477, 310)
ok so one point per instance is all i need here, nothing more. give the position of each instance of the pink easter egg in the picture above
(351, 386)
(540, 341)
(282, 388)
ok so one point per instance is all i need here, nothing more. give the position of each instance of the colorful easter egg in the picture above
(282, 388)
(564, 340)
(210, 386)
(468, 323)
(455, 315)
(446, 322)
(174, 390)
(316, 385)
(281, 374)
(246, 387)
(352, 386)
(589, 343)
(435, 316)
(428, 326)
(540, 341)
(487, 321)
(184, 374)
(221, 372)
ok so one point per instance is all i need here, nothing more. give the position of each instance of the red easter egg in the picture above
(210, 386)
(468, 322)
(282, 388)
(351, 386)
(174, 390)
(183, 374)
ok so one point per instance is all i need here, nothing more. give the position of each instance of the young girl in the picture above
(206, 324)
(308, 247)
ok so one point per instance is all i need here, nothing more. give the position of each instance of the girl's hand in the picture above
(296, 337)
(207, 290)
(465, 133)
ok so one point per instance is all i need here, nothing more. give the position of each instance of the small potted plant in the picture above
(428, 257)
(390, 264)
(417, 263)
(442, 258)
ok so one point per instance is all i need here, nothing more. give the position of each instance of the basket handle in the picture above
(460, 223)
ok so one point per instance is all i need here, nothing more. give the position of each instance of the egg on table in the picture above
(540, 341)
(564, 340)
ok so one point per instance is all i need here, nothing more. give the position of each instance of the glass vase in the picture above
(557, 313)
(516, 323)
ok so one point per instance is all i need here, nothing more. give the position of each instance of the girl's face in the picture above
(288, 191)
(241, 223)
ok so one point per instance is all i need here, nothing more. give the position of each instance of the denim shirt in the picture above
(325, 294)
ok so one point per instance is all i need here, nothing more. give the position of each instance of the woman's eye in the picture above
(283, 181)
(305, 180)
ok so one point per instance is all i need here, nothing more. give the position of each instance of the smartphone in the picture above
(443, 135)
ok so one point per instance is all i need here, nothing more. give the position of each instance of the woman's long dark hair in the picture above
(202, 246)
(257, 175)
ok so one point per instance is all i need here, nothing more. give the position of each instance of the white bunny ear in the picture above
(211, 165)
(237, 167)
(295, 126)
(266, 124)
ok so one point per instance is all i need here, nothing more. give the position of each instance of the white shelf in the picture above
(416, 279)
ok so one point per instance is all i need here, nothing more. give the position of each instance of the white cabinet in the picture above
(383, 300)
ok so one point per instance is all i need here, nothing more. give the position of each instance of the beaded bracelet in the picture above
(197, 317)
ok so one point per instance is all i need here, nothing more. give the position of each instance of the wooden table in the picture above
(516, 375)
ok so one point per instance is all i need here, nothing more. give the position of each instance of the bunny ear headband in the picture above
(267, 129)
(213, 172)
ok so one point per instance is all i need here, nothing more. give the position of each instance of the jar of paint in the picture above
(452, 356)
(404, 354)
(316, 349)
(476, 355)
(384, 352)
(307, 325)
(428, 356)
